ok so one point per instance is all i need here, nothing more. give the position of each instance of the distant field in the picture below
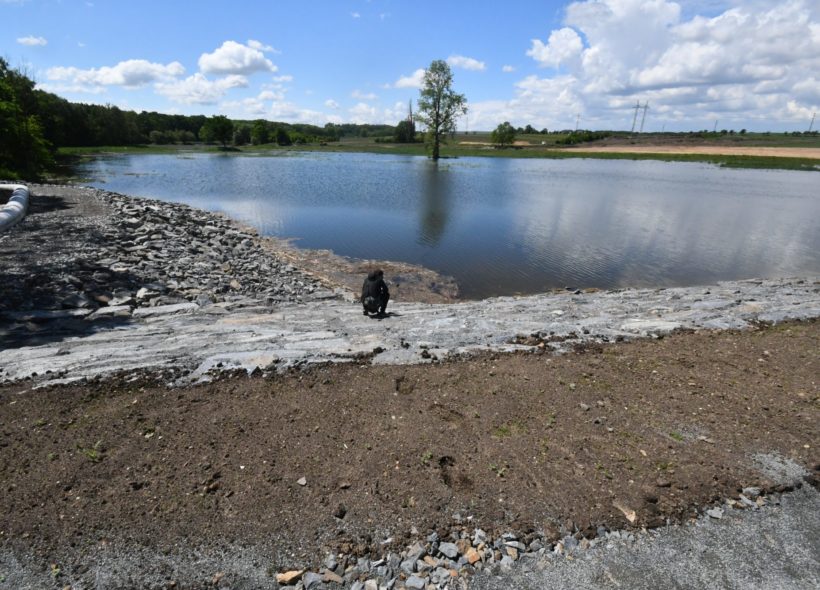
(750, 150)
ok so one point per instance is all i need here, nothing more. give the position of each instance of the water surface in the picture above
(503, 226)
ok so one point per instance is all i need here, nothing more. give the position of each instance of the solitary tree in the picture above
(503, 135)
(439, 105)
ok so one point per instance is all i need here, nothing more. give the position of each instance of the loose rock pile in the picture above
(438, 563)
(148, 253)
(197, 256)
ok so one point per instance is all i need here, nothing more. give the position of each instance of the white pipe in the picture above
(15, 209)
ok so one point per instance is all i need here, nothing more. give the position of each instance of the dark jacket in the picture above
(375, 287)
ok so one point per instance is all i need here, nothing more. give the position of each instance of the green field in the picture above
(477, 144)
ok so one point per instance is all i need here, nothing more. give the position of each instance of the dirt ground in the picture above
(720, 150)
(676, 145)
(523, 442)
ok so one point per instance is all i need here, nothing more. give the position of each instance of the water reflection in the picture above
(435, 203)
(505, 226)
(631, 233)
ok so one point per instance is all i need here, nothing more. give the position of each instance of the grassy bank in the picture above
(537, 146)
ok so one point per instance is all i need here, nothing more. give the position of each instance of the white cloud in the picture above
(253, 107)
(271, 95)
(747, 61)
(235, 58)
(363, 96)
(508, 69)
(467, 63)
(363, 113)
(332, 104)
(355, 15)
(131, 73)
(71, 88)
(32, 41)
(414, 80)
(254, 44)
(281, 79)
(563, 45)
(197, 89)
(291, 113)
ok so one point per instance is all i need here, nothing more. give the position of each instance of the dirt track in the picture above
(720, 150)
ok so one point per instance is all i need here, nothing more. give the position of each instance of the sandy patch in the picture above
(718, 150)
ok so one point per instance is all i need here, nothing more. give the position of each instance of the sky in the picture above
(697, 64)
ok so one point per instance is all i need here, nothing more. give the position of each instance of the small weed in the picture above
(499, 471)
(664, 465)
(40, 423)
(55, 570)
(551, 420)
(502, 431)
(606, 473)
(509, 429)
(426, 457)
(677, 436)
(95, 454)
(52, 456)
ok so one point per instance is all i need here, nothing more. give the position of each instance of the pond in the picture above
(505, 226)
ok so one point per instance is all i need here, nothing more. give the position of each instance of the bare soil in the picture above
(524, 442)
(719, 150)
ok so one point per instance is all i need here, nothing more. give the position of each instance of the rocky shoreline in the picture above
(141, 253)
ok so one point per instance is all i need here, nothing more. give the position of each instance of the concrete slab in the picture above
(178, 335)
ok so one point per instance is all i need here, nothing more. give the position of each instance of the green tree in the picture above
(259, 132)
(439, 105)
(405, 132)
(217, 128)
(24, 152)
(282, 137)
(503, 135)
(242, 135)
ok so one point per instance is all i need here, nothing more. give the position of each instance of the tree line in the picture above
(35, 123)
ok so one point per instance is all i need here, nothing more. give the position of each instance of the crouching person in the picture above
(375, 294)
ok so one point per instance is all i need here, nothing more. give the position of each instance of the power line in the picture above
(635, 118)
(645, 107)
(637, 108)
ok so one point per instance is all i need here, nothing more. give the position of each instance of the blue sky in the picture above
(751, 64)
